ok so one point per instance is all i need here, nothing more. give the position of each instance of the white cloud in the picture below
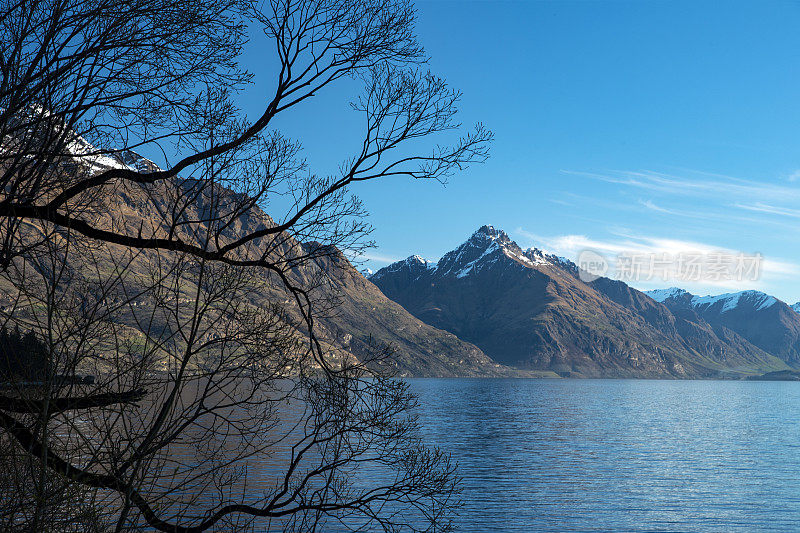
(561, 202)
(698, 184)
(649, 204)
(570, 246)
(760, 207)
(697, 206)
(369, 256)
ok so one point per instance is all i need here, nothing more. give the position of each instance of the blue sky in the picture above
(646, 125)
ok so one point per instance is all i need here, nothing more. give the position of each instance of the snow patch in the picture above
(731, 300)
(539, 257)
(78, 147)
(414, 263)
(766, 302)
(469, 267)
(660, 295)
(485, 248)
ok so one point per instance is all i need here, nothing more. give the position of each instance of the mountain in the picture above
(362, 317)
(530, 309)
(762, 319)
(356, 316)
(484, 306)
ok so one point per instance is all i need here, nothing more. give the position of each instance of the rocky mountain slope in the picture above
(353, 315)
(531, 310)
(763, 320)
(485, 305)
(362, 318)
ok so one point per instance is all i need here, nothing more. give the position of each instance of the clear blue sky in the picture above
(618, 124)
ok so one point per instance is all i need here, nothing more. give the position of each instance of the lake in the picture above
(624, 455)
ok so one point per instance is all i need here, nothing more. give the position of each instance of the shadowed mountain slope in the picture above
(531, 310)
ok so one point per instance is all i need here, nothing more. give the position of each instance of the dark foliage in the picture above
(22, 356)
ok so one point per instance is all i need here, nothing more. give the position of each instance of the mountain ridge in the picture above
(530, 309)
(765, 321)
(363, 319)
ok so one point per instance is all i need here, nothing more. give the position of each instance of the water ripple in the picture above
(623, 455)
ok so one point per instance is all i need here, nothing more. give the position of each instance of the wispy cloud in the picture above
(649, 204)
(701, 196)
(696, 184)
(369, 256)
(570, 246)
(561, 202)
(696, 208)
(770, 209)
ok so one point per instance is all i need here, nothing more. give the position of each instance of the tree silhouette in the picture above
(217, 404)
(22, 356)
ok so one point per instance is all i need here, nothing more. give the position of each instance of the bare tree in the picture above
(216, 401)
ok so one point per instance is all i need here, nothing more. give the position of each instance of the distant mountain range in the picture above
(491, 308)
(763, 320)
(529, 309)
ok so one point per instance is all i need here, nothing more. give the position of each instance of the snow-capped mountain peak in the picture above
(731, 301)
(415, 265)
(660, 295)
(722, 302)
(484, 248)
(489, 232)
(417, 261)
(487, 247)
(34, 126)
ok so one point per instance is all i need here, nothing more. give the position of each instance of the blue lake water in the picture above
(621, 455)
